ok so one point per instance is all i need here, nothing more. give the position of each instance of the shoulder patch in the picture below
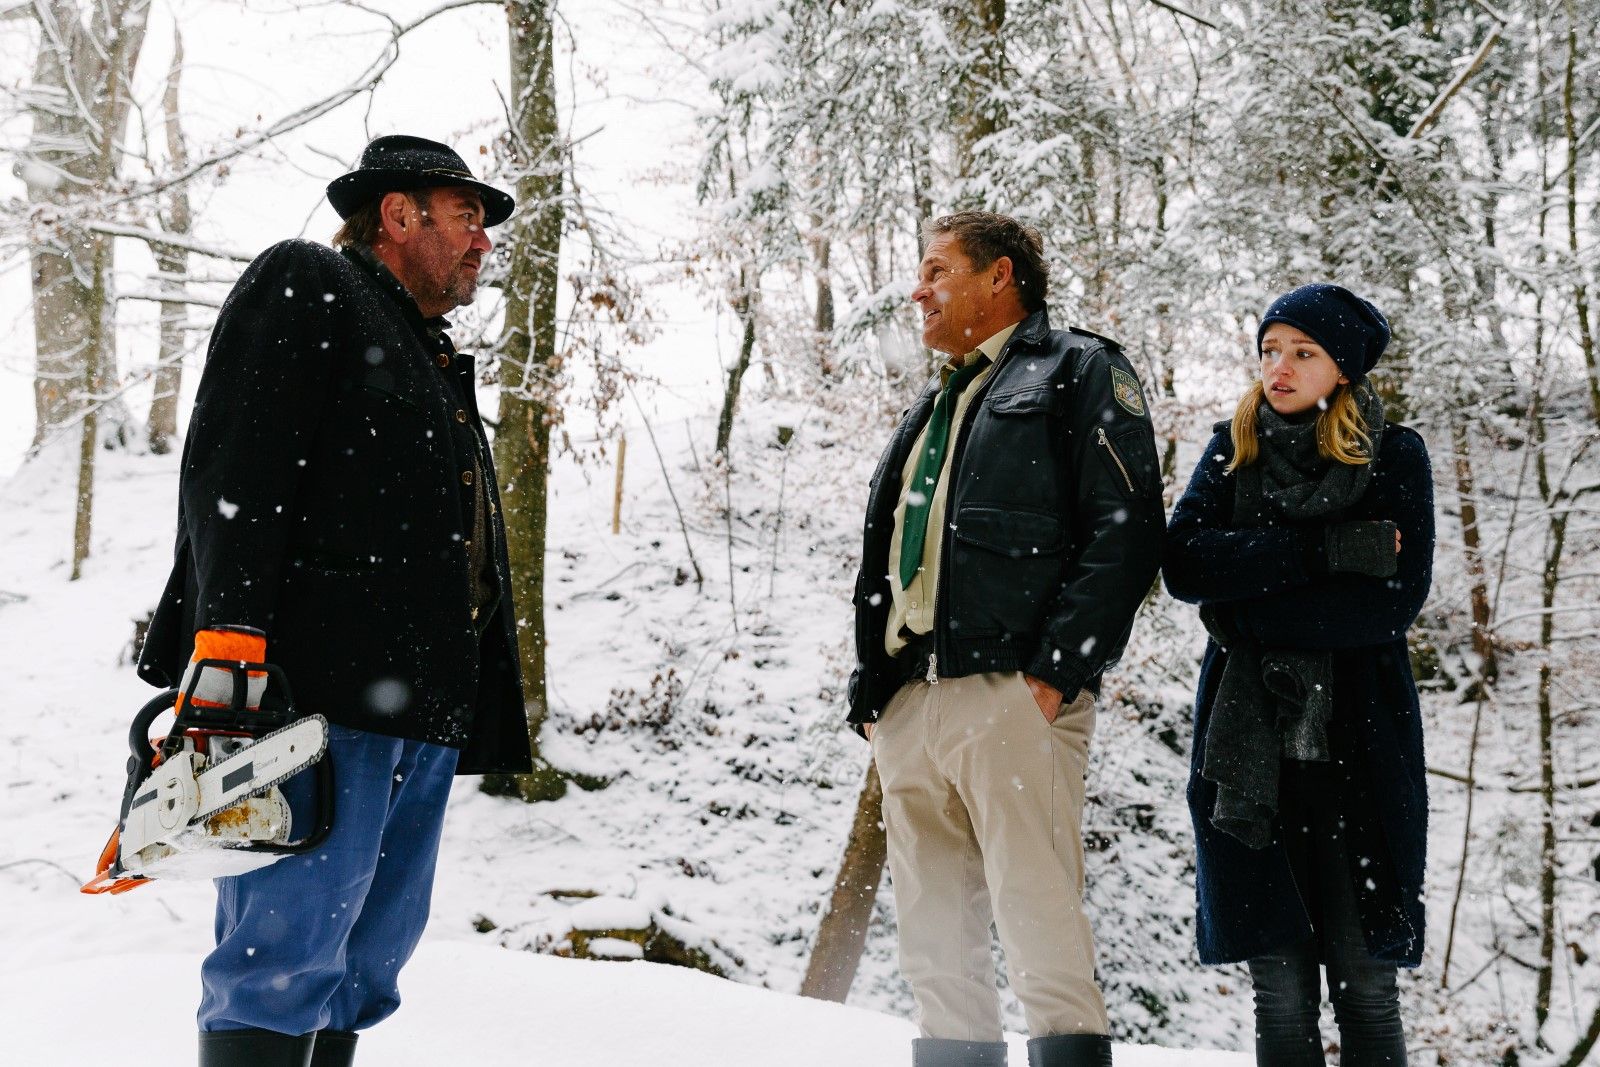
(1125, 387)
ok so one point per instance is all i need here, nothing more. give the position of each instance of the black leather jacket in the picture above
(1053, 528)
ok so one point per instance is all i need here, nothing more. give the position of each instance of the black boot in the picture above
(334, 1048)
(1070, 1050)
(939, 1052)
(254, 1048)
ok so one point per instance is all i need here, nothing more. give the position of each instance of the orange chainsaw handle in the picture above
(102, 882)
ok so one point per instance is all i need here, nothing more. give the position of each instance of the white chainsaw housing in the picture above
(194, 817)
(217, 847)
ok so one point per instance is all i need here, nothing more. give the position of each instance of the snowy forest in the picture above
(695, 338)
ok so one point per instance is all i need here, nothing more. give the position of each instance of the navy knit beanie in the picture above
(1348, 328)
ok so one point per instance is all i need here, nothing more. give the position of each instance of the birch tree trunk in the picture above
(173, 263)
(119, 32)
(78, 102)
(529, 366)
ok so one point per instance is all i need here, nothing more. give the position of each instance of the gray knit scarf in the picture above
(1274, 704)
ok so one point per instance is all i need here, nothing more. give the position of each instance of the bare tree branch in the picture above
(1435, 109)
(367, 80)
(163, 239)
(1186, 13)
(171, 298)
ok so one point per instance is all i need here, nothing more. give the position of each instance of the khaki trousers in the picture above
(982, 805)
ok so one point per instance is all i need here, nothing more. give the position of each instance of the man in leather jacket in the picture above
(1013, 527)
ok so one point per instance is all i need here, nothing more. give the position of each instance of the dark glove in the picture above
(1361, 548)
(1221, 625)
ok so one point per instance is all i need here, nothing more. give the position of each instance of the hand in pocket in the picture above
(1047, 696)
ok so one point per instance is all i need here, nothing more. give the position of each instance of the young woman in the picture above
(1306, 537)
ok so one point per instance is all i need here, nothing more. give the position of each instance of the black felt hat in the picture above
(1351, 330)
(397, 163)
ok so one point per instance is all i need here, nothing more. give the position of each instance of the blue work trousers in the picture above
(316, 942)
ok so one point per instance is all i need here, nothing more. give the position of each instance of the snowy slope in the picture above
(466, 1004)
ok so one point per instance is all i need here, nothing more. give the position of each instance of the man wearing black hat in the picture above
(338, 514)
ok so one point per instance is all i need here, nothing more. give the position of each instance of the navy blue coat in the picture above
(1267, 578)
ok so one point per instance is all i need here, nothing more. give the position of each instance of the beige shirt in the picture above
(912, 610)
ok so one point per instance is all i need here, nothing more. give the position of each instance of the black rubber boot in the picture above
(254, 1048)
(939, 1052)
(1070, 1050)
(334, 1048)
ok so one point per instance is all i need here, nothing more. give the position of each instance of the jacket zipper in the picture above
(1105, 442)
(944, 534)
(874, 497)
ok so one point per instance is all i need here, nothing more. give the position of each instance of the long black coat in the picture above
(326, 498)
(1248, 902)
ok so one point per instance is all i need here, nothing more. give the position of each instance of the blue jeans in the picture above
(1288, 990)
(317, 941)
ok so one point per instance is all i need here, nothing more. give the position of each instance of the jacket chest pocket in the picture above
(1006, 566)
(1010, 532)
(1042, 399)
(1017, 448)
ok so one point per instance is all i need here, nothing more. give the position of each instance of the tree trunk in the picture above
(977, 30)
(842, 934)
(174, 265)
(744, 305)
(822, 254)
(79, 103)
(1557, 535)
(83, 510)
(1482, 642)
(922, 178)
(529, 366)
(99, 345)
(1580, 291)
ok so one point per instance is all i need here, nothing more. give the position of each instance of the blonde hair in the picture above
(1341, 431)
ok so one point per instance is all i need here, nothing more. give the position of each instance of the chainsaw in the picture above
(202, 801)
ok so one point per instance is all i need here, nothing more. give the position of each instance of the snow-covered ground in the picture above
(467, 1004)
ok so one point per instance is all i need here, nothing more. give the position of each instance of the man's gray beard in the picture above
(462, 290)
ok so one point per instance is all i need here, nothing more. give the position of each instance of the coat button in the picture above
(461, 416)
(466, 477)
(442, 359)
